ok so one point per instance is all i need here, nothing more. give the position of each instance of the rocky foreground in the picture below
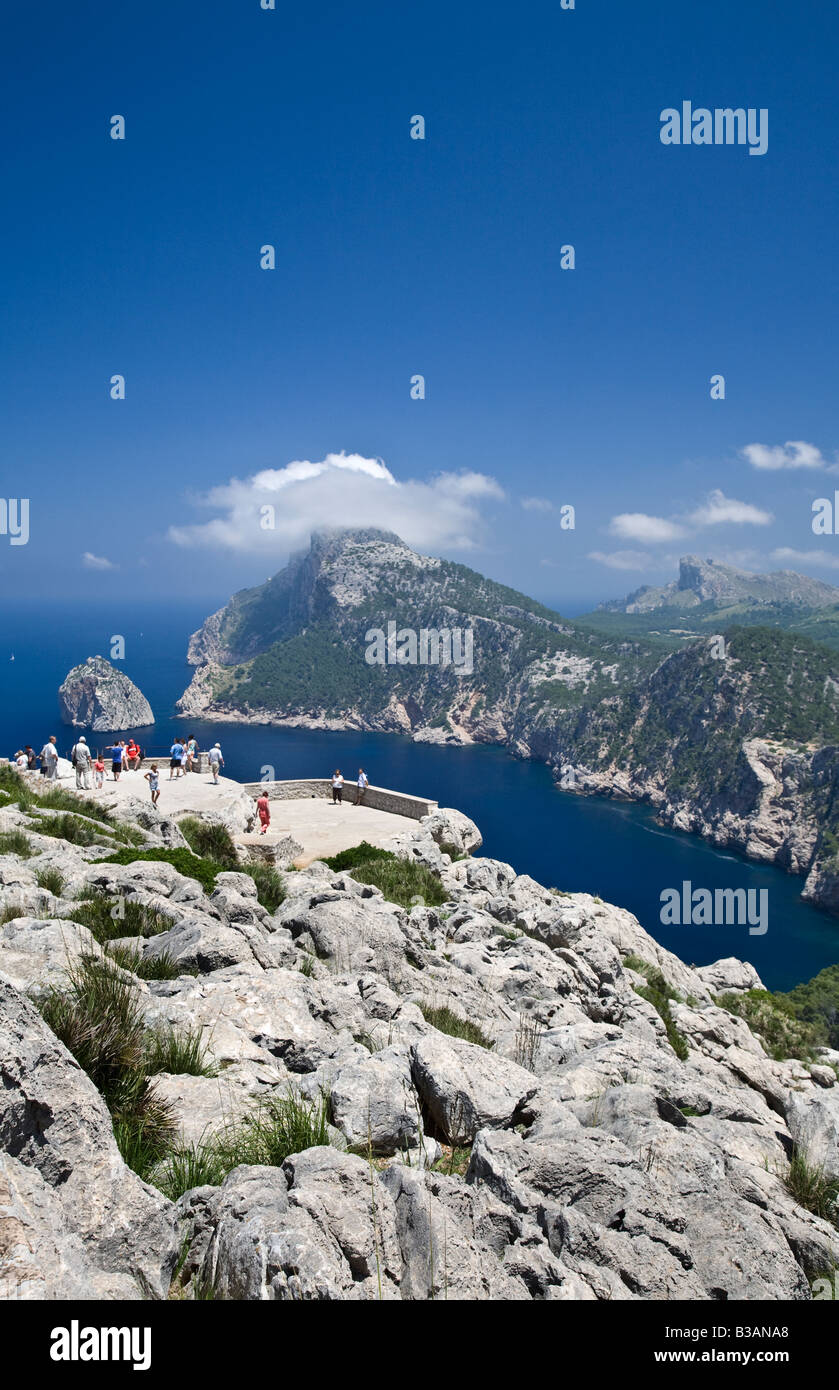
(577, 1157)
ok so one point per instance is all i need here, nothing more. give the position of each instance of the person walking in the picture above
(176, 757)
(264, 810)
(49, 759)
(191, 753)
(99, 772)
(362, 785)
(216, 761)
(337, 787)
(153, 779)
(81, 760)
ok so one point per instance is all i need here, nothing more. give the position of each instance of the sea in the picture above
(573, 843)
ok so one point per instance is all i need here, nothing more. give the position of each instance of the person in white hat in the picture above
(81, 760)
(216, 761)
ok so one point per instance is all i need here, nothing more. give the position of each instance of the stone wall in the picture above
(378, 798)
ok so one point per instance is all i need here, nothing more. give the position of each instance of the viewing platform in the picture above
(302, 808)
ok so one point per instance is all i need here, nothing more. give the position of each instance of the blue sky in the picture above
(587, 387)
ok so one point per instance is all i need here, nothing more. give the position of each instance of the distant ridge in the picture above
(704, 581)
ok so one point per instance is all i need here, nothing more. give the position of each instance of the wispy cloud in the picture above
(537, 504)
(342, 490)
(719, 510)
(97, 562)
(796, 453)
(624, 559)
(638, 526)
(824, 559)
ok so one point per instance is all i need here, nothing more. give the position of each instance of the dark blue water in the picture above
(573, 843)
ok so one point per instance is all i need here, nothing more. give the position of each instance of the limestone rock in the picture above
(96, 696)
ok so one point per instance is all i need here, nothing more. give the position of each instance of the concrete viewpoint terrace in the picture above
(302, 808)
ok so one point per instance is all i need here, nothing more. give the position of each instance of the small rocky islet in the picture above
(94, 695)
(489, 1090)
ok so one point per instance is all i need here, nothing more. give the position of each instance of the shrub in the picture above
(98, 1017)
(51, 880)
(266, 1135)
(210, 840)
(270, 888)
(401, 881)
(97, 913)
(773, 1018)
(65, 826)
(446, 1021)
(658, 993)
(357, 854)
(204, 1164)
(808, 1184)
(15, 842)
(181, 1051)
(160, 966)
(186, 863)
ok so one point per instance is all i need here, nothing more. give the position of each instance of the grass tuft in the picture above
(446, 1021)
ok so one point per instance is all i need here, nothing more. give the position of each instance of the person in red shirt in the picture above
(264, 812)
(132, 754)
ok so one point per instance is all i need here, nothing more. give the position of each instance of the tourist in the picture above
(21, 761)
(31, 757)
(362, 785)
(116, 752)
(176, 758)
(49, 759)
(81, 760)
(264, 810)
(337, 787)
(153, 779)
(99, 772)
(133, 754)
(191, 753)
(216, 761)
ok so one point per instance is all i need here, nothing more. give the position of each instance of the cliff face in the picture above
(295, 650)
(743, 750)
(96, 696)
(582, 1138)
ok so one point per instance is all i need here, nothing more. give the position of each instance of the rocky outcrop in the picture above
(570, 1154)
(96, 696)
(75, 1221)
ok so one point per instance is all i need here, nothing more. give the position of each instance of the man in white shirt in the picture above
(216, 761)
(49, 758)
(362, 785)
(81, 762)
(337, 787)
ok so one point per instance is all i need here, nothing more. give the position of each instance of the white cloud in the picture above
(342, 490)
(719, 509)
(638, 526)
(796, 453)
(537, 504)
(623, 559)
(97, 562)
(825, 558)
